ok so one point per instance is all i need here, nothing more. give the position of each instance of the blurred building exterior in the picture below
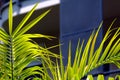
(68, 20)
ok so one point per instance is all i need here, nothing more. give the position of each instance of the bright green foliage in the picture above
(87, 58)
(18, 50)
(90, 77)
(110, 78)
(100, 77)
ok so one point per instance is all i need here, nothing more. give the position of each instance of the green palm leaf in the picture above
(21, 24)
(18, 50)
(32, 23)
(87, 58)
(10, 17)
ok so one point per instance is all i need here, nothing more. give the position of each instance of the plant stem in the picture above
(12, 58)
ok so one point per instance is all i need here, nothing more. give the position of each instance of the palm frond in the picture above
(32, 23)
(87, 58)
(21, 24)
(18, 50)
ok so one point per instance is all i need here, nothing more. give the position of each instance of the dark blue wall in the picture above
(78, 18)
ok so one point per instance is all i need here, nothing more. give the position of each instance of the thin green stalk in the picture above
(11, 58)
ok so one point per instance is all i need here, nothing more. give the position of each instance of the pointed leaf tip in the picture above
(10, 17)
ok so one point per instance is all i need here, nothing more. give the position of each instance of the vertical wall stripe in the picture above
(78, 18)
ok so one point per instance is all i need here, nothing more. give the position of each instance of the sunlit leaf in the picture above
(10, 17)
